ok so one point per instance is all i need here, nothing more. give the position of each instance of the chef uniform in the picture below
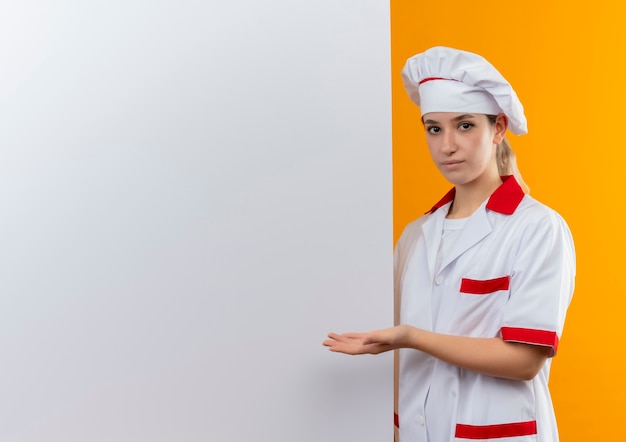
(506, 271)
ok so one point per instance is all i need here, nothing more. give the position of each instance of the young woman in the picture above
(482, 281)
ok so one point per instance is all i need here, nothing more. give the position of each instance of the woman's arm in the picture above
(490, 356)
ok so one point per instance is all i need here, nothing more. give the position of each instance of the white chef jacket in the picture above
(510, 275)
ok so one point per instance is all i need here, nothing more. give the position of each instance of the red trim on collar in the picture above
(445, 200)
(504, 199)
(507, 197)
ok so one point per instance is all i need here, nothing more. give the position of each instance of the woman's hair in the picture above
(505, 157)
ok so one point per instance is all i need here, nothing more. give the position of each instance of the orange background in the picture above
(566, 62)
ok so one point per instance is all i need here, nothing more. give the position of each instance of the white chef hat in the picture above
(450, 80)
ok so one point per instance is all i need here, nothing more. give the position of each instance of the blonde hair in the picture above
(507, 161)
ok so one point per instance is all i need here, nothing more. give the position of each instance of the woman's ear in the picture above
(502, 122)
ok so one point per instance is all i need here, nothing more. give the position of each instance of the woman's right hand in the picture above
(374, 342)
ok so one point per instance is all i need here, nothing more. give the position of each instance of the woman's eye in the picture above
(466, 126)
(433, 129)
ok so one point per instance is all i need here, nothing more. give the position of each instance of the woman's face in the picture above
(463, 146)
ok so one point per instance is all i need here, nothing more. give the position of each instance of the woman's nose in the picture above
(448, 144)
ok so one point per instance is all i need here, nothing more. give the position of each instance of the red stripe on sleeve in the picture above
(496, 431)
(484, 286)
(531, 336)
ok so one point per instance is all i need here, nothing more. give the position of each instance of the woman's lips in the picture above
(451, 164)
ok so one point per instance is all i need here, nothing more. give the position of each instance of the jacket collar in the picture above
(504, 199)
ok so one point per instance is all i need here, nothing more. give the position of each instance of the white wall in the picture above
(192, 194)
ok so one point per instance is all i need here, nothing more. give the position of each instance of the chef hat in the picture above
(449, 80)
